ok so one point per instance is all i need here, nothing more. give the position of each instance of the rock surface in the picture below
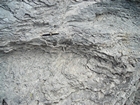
(94, 58)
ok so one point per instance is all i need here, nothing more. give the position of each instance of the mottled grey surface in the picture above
(95, 59)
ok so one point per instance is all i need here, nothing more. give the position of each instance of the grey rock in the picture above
(69, 52)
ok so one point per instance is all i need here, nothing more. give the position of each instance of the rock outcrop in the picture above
(69, 52)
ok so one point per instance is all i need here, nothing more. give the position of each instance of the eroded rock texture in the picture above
(93, 60)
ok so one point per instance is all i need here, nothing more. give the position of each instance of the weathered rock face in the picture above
(69, 52)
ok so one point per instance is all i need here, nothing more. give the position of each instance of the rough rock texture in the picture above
(94, 60)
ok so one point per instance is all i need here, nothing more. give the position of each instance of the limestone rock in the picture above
(69, 52)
